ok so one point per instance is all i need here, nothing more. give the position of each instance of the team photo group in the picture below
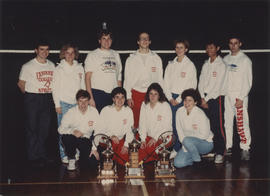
(92, 99)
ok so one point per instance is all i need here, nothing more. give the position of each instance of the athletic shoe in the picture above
(77, 155)
(173, 154)
(219, 159)
(245, 155)
(209, 155)
(228, 152)
(65, 160)
(71, 164)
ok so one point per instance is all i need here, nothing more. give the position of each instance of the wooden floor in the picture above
(234, 177)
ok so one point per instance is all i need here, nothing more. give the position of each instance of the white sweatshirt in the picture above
(239, 75)
(106, 68)
(141, 70)
(179, 76)
(155, 121)
(117, 123)
(67, 81)
(212, 79)
(196, 124)
(38, 77)
(85, 123)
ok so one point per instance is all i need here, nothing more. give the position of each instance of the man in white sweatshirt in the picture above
(103, 71)
(239, 82)
(35, 81)
(142, 69)
(76, 128)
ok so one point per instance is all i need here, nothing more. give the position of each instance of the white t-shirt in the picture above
(155, 121)
(106, 68)
(38, 76)
(67, 80)
(117, 123)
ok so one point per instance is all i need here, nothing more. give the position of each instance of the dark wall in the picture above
(24, 22)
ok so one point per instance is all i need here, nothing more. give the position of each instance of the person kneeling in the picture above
(76, 128)
(193, 129)
(155, 118)
(117, 120)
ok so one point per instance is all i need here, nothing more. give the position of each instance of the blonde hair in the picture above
(65, 48)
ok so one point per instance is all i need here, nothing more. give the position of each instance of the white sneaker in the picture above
(173, 154)
(219, 159)
(77, 155)
(71, 164)
(209, 155)
(65, 160)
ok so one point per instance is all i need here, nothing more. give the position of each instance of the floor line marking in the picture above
(145, 193)
(148, 181)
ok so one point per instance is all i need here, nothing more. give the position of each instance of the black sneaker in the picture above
(245, 155)
(228, 152)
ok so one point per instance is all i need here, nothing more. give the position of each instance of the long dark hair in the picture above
(156, 87)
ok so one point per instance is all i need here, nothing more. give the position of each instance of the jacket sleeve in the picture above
(129, 77)
(129, 133)
(66, 126)
(246, 80)
(142, 123)
(167, 78)
(119, 74)
(83, 79)
(204, 130)
(56, 88)
(202, 79)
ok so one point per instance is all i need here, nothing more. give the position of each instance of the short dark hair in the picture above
(215, 43)
(183, 41)
(234, 36)
(82, 94)
(104, 33)
(192, 93)
(139, 35)
(41, 42)
(119, 90)
(156, 87)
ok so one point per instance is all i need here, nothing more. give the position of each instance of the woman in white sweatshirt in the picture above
(193, 129)
(155, 118)
(68, 79)
(117, 121)
(180, 74)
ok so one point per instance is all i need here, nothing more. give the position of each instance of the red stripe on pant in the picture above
(147, 151)
(240, 124)
(138, 98)
(117, 149)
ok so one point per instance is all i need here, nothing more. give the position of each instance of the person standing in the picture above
(238, 82)
(68, 79)
(180, 74)
(142, 69)
(103, 69)
(35, 81)
(211, 90)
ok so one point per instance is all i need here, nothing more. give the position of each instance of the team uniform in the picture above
(141, 70)
(118, 123)
(211, 86)
(106, 68)
(86, 123)
(194, 134)
(178, 77)
(68, 79)
(153, 122)
(38, 105)
(239, 82)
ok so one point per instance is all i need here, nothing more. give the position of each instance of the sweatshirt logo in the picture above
(109, 65)
(183, 74)
(214, 74)
(233, 67)
(125, 121)
(45, 77)
(154, 69)
(90, 123)
(159, 118)
(195, 126)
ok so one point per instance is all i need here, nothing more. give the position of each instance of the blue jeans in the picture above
(177, 144)
(195, 147)
(64, 107)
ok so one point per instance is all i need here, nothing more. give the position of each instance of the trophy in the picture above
(164, 167)
(134, 169)
(107, 172)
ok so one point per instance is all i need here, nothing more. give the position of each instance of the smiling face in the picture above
(83, 104)
(144, 41)
(212, 50)
(234, 45)
(42, 52)
(119, 100)
(70, 55)
(105, 42)
(189, 103)
(153, 96)
(180, 49)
